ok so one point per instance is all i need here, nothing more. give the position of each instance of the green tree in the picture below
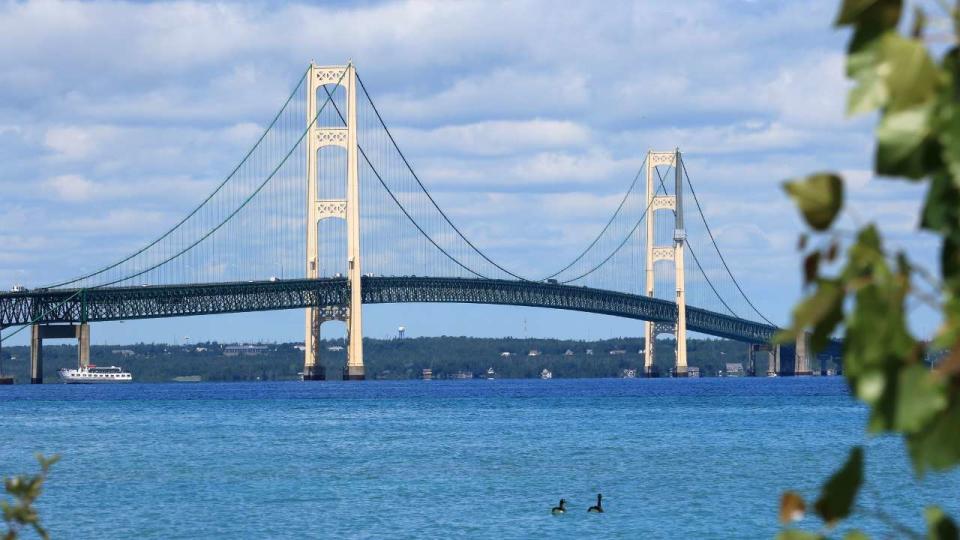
(24, 490)
(859, 290)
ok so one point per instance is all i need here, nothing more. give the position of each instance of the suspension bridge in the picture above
(325, 213)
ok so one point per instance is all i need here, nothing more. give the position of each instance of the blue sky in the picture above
(119, 117)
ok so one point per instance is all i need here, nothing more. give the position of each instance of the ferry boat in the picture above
(94, 375)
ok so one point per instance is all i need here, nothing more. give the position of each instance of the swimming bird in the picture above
(599, 507)
(557, 510)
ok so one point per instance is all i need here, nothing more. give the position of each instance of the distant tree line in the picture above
(385, 359)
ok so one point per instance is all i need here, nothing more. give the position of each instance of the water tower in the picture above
(400, 331)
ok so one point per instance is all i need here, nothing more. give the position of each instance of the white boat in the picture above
(546, 374)
(94, 375)
(491, 374)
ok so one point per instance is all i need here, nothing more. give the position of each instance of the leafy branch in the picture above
(865, 299)
(25, 489)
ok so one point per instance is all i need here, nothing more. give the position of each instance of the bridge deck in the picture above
(149, 302)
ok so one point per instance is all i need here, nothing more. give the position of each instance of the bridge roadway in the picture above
(149, 302)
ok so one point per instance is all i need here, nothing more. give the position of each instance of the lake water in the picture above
(697, 458)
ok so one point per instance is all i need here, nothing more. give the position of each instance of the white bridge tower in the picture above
(347, 209)
(673, 252)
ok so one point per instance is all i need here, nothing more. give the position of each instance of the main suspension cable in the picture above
(202, 203)
(235, 211)
(397, 201)
(716, 247)
(425, 191)
(605, 227)
(616, 250)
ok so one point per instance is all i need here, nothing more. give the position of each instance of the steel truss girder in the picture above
(121, 303)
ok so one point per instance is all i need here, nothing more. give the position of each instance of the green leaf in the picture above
(942, 207)
(840, 491)
(869, 12)
(851, 10)
(939, 525)
(904, 143)
(819, 197)
(870, 93)
(937, 446)
(822, 310)
(911, 76)
(920, 395)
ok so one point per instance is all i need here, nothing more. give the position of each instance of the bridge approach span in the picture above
(151, 302)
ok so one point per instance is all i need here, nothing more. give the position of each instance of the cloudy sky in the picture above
(116, 118)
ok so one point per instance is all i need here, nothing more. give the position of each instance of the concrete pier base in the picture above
(354, 373)
(651, 372)
(316, 373)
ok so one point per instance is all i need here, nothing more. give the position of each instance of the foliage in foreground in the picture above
(24, 489)
(865, 296)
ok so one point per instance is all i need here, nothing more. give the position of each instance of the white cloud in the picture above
(73, 142)
(495, 137)
(71, 187)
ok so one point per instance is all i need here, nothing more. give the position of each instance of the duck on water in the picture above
(558, 510)
(599, 506)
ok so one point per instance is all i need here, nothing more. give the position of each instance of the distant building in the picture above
(568, 353)
(628, 373)
(589, 352)
(426, 374)
(461, 375)
(616, 352)
(246, 350)
(546, 374)
(734, 369)
(693, 371)
(334, 348)
(533, 352)
(506, 354)
(123, 352)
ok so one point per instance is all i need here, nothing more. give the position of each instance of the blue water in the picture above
(703, 458)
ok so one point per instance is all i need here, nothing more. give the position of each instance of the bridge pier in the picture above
(773, 358)
(40, 332)
(803, 363)
(36, 355)
(312, 370)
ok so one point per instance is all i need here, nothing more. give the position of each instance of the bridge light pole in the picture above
(347, 209)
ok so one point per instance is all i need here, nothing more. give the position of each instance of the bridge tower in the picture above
(347, 209)
(673, 252)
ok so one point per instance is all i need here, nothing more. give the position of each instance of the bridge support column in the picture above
(803, 355)
(83, 345)
(347, 209)
(673, 253)
(40, 332)
(36, 355)
(355, 370)
(312, 371)
(679, 237)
